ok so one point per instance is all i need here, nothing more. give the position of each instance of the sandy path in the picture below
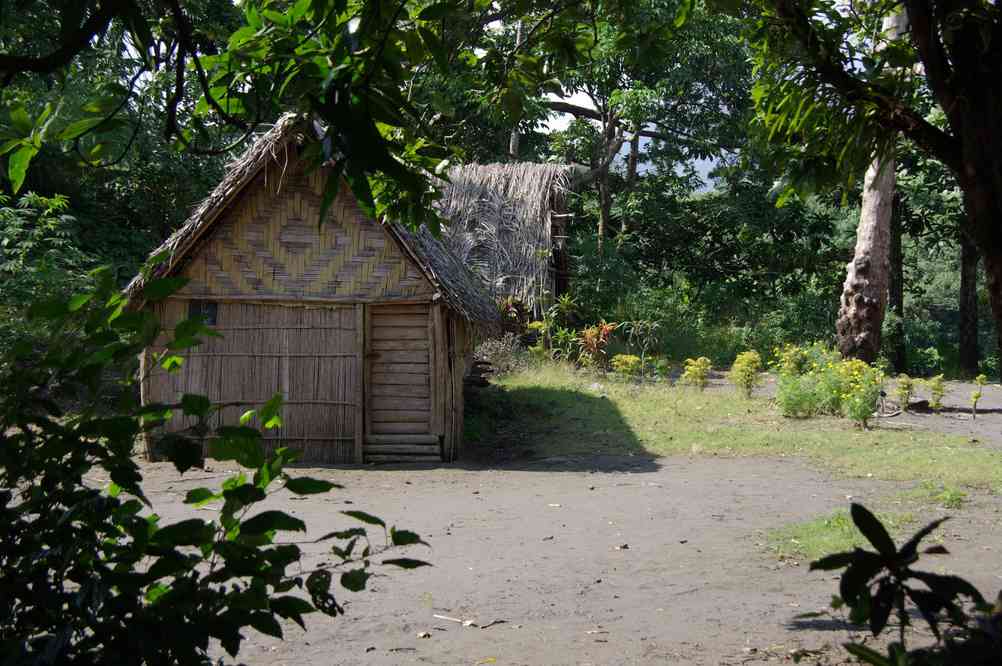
(536, 546)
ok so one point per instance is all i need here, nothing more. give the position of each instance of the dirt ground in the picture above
(598, 560)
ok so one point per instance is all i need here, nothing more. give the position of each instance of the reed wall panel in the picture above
(309, 354)
(269, 243)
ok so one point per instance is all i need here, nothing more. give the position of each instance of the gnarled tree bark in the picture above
(864, 294)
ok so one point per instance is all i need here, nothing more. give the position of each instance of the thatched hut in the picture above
(508, 223)
(365, 328)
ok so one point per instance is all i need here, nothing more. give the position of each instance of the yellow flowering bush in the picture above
(861, 390)
(697, 372)
(744, 373)
(626, 364)
(814, 380)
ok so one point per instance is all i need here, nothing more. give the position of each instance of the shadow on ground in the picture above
(549, 429)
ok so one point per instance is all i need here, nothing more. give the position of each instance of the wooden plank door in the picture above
(399, 391)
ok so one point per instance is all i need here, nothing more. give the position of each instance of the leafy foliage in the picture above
(93, 575)
(875, 585)
(696, 372)
(745, 372)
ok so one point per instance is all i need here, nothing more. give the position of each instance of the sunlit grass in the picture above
(556, 410)
(816, 538)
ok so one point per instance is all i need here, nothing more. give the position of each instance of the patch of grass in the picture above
(556, 410)
(816, 538)
(948, 497)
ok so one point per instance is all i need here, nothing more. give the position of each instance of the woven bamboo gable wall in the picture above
(269, 244)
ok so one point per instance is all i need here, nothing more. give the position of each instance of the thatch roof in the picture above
(458, 287)
(501, 220)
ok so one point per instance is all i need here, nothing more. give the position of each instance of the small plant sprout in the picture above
(697, 372)
(745, 373)
(903, 391)
(937, 389)
(980, 380)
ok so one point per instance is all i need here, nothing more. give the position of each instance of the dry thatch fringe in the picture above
(500, 223)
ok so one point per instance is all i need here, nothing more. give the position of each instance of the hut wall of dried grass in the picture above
(506, 221)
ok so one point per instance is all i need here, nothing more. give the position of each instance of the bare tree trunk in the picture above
(970, 354)
(604, 206)
(864, 294)
(631, 172)
(896, 291)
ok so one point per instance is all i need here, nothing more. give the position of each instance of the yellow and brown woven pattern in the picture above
(270, 243)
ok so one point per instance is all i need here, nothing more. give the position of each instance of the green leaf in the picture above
(17, 166)
(880, 608)
(867, 655)
(20, 120)
(272, 520)
(908, 551)
(355, 579)
(80, 127)
(191, 532)
(364, 517)
(195, 405)
(200, 496)
(238, 443)
(161, 288)
(270, 412)
(831, 562)
(292, 608)
(266, 624)
(873, 530)
(343, 534)
(406, 563)
(78, 301)
(436, 12)
(856, 577)
(404, 537)
(682, 14)
(306, 486)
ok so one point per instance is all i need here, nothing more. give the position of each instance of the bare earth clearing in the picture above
(598, 559)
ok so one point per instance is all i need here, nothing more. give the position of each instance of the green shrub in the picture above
(745, 372)
(937, 389)
(796, 396)
(876, 585)
(903, 391)
(697, 372)
(926, 361)
(980, 380)
(627, 364)
(90, 574)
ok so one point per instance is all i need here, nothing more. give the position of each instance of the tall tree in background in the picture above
(864, 294)
(838, 99)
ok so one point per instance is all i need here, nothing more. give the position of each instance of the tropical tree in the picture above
(837, 91)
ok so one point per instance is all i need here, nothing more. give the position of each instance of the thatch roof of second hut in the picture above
(501, 223)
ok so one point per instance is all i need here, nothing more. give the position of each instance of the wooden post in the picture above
(360, 383)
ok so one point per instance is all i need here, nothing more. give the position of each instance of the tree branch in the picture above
(933, 55)
(70, 46)
(892, 113)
